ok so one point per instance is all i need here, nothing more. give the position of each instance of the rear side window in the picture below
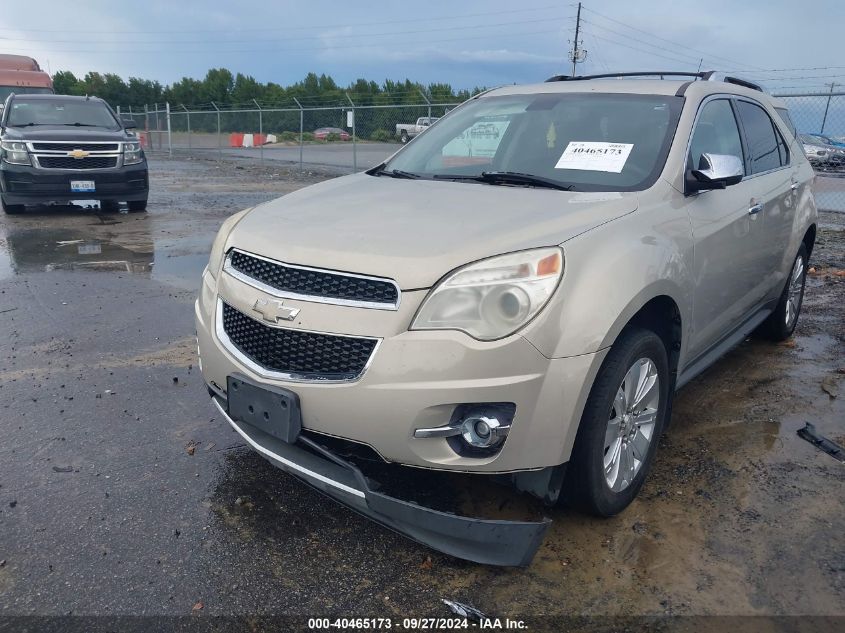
(715, 132)
(783, 113)
(765, 147)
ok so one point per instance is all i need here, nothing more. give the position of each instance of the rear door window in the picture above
(764, 152)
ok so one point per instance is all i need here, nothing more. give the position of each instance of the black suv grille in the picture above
(69, 147)
(304, 355)
(314, 283)
(63, 162)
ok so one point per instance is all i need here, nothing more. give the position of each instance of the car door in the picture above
(724, 270)
(771, 177)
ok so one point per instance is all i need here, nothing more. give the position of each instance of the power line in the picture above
(300, 28)
(678, 44)
(295, 50)
(642, 50)
(662, 48)
(217, 43)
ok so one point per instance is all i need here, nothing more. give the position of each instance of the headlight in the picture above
(215, 260)
(132, 153)
(495, 297)
(14, 153)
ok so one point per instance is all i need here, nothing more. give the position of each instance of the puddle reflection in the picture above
(105, 247)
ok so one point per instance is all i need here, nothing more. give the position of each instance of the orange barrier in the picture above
(236, 139)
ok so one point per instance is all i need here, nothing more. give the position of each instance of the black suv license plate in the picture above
(273, 410)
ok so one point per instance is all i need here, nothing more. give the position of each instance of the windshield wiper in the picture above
(82, 124)
(394, 173)
(510, 178)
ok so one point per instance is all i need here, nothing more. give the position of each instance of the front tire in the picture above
(781, 323)
(11, 209)
(136, 206)
(621, 426)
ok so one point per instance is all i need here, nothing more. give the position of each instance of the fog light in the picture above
(482, 430)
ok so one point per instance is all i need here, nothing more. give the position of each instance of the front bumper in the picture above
(490, 542)
(22, 184)
(415, 380)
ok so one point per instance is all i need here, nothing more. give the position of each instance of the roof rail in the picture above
(704, 75)
(742, 82)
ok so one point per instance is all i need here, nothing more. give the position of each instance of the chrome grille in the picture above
(65, 162)
(313, 284)
(295, 354)
(50, 146)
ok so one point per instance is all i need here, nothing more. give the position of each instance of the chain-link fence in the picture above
(345, 137)
(351, 136)
(820, 120)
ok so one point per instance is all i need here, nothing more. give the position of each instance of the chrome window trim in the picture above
(262, 371)
(735, 97)
(281, 294)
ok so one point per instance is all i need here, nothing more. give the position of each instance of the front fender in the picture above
(611, 272)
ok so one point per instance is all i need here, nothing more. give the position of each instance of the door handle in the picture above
(754, 209)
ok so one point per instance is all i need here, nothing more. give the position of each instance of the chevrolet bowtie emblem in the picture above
(274, 310)
(78, 153)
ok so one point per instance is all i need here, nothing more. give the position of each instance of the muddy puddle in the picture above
(84, 240)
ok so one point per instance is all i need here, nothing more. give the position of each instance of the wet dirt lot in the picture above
(122, 493)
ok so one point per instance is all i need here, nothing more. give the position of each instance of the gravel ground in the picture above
(122, 494)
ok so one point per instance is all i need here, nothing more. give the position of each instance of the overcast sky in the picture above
(468, 43)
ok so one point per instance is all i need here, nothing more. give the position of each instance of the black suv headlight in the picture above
(132, 153)
(15, 153)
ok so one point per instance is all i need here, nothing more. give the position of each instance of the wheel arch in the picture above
(809, 240)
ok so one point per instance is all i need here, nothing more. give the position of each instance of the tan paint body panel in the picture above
(620, 249)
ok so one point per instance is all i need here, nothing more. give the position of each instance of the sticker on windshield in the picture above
(595, 156)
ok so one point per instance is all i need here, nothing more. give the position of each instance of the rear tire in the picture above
(404, 138)
(136, 206)
(781, 323)
(11, 209)
(109, 206)
(621, 425)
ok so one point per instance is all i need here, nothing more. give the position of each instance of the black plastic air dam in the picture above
(490, 542)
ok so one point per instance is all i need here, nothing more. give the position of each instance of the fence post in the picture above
(219, 146)
(147, 125)
(260, 130)
(354, 142)
(188, 117)
(427, 102)
(827, 107)
(169, 137)
(301, 129)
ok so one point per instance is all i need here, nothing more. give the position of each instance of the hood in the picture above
(415, 231)
(64, 133)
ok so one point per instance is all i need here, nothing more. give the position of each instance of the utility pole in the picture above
(578, 55)
(827, 107)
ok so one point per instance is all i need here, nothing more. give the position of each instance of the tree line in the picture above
(221, 87)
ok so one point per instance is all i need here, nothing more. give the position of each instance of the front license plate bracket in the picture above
(274, 410)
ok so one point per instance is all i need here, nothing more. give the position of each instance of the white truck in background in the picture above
(407, 131)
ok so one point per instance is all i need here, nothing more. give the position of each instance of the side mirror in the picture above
(715, 171)
(129, 124)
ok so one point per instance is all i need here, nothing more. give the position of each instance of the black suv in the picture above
(57, 148)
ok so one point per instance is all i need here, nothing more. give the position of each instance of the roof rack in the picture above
(704, 75)
(742, 82)
(707, 75)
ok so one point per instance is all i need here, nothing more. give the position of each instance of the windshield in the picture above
(589, 142)
(72, 112)
(5, 91)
